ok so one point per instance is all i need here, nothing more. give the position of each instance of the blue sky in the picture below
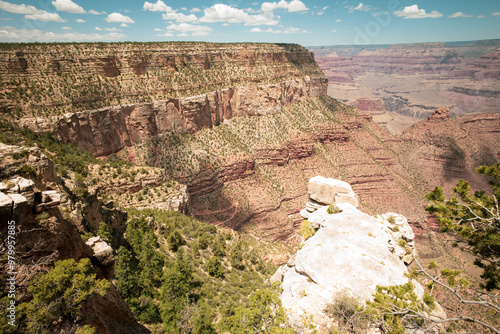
(304, 22)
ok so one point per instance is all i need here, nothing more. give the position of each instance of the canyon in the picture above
(237, 147)
(232, 133)
(401, 84)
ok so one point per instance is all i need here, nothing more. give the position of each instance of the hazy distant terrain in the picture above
(400, 84)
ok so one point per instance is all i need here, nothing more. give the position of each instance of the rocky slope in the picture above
(39, 205)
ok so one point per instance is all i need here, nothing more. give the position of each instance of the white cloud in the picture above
(159, 6)
(182, 34)
(167, 34)
(195, 10)
(95, 12)
(290, 30)
(124, 25)
(292, 6)
(412, 12)
(460, 14)
(195, 30)
(496, 14)
(158, 29)
(11, 34)
(18, 9)
(322, 11)
(184, 8)
(45, 17)
(80, 21)
(108, 29)
(334, 30)
(68, 6)
(224, 13)
(481, 16)
(179, 17)
(118, 18)
(359, 7)
(66, 28)
(30, 12)
(338, 20)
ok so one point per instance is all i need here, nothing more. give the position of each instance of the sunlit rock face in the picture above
(351, 252)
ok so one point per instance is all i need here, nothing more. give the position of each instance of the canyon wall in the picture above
(109, 130)
(50, 79)
(400, 84)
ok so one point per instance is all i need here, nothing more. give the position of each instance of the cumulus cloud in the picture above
(11, 34)
(30, 12)
(167, 34)
(224, 13)
(159, 6)
(118, 18)
(45, 17)
(292, 6)
(290, 30)
(80, 21)
(18, 9)
(338, 20)
(68, 6)
(195, 30)
(95, 12)
(179, 17)
(413, 12)
(195, 10)
(460, 14)
(66, 28)
(107, 29)
(124, 25)
(322, 11)
(334, 30)
(481, 16)
(496, 14)
(359, 7)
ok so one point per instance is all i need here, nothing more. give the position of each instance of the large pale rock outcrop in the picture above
(325, 191)
(351, 252)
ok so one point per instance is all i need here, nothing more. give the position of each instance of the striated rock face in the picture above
(109, 130)
(82, 76)
(351, 253)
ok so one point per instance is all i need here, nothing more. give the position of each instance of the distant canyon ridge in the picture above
(401, 84)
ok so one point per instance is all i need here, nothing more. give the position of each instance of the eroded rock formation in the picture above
(350, 253)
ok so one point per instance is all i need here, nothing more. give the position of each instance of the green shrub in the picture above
(333, 209)
(27, 171)
(306, 229)
(214, 267)
(61, 293)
